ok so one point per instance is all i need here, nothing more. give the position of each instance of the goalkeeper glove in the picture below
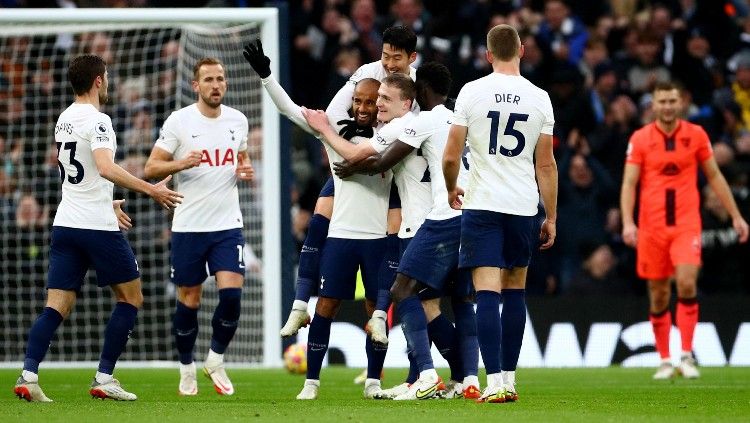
(254, 55)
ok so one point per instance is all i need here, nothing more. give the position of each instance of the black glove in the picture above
(254, 55)
(350, 129)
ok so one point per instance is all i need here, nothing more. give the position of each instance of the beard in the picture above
(210, 102)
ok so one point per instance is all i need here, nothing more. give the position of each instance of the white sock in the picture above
(315, 382)
(494, 380)
(187, 368)
(667, 360)
(369, 382)
(380, 314)
(509, 378)
(299, 305)
(471, 380)
(103, 378)
(214, 358)
(30, 376)
(687, 354)
(429, 374)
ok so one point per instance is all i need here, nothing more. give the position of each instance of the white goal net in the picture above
(150, 55)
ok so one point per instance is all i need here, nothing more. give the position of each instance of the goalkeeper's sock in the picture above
(225, 319)
(317, 344)
(466, 332)
(375, 358)
(309, 257)
(513, 323)
(387, 272)
(687, 319)
(40, 336)
(116, 335)
(662, 323)
(414, 324)
(443, 335)
(185, 325)
(488, 329)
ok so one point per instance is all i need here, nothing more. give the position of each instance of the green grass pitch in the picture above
(546, 395)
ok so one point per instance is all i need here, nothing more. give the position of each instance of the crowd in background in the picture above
(597, 59)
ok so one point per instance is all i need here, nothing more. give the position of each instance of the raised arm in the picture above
(630, 178)
(261, 64)
(721, 188)
(546, 175)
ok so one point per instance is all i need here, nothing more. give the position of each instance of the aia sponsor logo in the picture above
(218, 157)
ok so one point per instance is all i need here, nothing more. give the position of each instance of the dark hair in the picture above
(436, 76)
(401, 38)
(667, 86)
(403, 83)
(83, 70)
(205, 61)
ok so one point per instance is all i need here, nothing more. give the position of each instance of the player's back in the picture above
(505, 115)
(86, 196)
(211, 201)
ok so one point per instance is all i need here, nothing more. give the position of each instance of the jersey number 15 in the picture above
(509, 130)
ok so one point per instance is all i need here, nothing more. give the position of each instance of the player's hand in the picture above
(547, 234)
(193, 159)
(630, 235)
(260, 63)
(163, 195)
(740, 226)
(343, 169)
(455, 198)
(123, 220)
(317, 119)
(245, 172)
(351, 129)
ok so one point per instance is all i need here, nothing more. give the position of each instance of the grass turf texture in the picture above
(610, 394)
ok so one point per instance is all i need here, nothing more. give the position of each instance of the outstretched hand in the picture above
(260, 63)
(317, 119)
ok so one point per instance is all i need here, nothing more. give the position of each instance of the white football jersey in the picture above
(341, 103)
(428, 132)
(86, 195)
(505, 115)
(411, 175)
(360, 206)
(211, 200)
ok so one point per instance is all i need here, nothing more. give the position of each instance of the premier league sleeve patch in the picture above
(101, 128)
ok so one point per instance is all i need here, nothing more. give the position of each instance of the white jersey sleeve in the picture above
(86, 196)
(504, 116)
(390, 132)
(286, 106)
(169, 135)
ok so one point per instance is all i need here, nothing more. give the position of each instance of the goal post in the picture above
(151, 54)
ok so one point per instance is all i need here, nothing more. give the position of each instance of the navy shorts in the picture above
(492, 239)
(340, 260)
(394, 201)
(432, 259)
(191, 251)
(73, 251)
(328, 188)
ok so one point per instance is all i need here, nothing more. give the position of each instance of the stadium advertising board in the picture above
(577, 332)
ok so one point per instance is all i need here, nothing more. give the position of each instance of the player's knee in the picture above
(190, 297)
(402, 289)
(135, 299)
(327, 307)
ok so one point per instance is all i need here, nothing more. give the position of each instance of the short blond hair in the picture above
(503, 42)
(203, 62)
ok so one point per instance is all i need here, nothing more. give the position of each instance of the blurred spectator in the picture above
(142, 133)
(609, 141)
(369, 34)
(647, 70)
(725, 264)
(586, 189)
(573, 114)
(597, 275)
(561, 33)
